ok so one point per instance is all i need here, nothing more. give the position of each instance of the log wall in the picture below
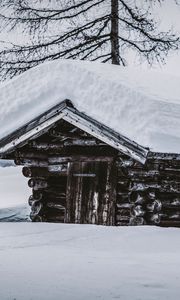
(151, 192)
(145, 194)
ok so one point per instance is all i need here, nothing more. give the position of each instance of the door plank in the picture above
(91, 199)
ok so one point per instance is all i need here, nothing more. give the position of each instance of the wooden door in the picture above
(91, 192)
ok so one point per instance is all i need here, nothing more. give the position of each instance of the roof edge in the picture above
(67, 111)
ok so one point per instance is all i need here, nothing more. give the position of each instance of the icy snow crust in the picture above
(77, 262)
(142, 105)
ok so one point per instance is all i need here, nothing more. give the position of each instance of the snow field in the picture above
(64, 261)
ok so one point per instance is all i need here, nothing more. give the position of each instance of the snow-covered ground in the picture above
(77, 262)
(142, 105)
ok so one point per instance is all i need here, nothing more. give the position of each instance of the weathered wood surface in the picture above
(90, 199)
(73, 142)
(59, 170)
(72, 171)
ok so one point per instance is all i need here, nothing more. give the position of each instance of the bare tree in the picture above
(87, 29)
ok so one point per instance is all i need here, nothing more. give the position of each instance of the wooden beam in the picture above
(77, 158)
(68, 143)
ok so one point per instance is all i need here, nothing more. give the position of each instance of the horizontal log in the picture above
(123, 205)
(158, 218)
(137, 211)
(55, 205)
(120, 218)
(144, 174)
(137, 198)
(163, 156)
(155, 206)
(161, 177)
(27, 154)
(58, 133)
(55, 219)
(45, 146)
(163, 187)
(31, 162)
(122, 223)
(35, 172)
(153, 218)
(53, 212)
(55, 199)
(167, 196)
(37, 195)
(170, 216)
(79, 158)
(36, 208)
(37, 183)
(151, 165)
(151, 195)
(137, 221)
(122, 182)
(123, 212)
(175, 203)
(36, 218)
(42, 172)
(124, 163)
(169, 223)
(39, 163)
(163, 166)
(31, 200)
(67, 142)
(122, 198)
(49, 193)
(48, 198)
(62, 168)
(57, 181)
(122, 172)
(171, 186)
(170, 175)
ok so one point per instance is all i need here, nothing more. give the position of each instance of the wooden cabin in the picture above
(81, 171)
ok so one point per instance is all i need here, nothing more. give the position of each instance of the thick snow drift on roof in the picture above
(142, 105)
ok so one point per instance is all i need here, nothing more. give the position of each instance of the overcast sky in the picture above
(169, 13)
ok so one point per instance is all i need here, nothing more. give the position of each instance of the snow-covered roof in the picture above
(142, 105)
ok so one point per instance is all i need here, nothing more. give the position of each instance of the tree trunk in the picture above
(114, 32)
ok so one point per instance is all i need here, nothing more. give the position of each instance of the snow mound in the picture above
(19, 213)
(142, 105)
(13, 192)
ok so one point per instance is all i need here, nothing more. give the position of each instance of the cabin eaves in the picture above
(66, 111)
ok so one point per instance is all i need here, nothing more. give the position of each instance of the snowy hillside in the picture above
(142, 105)
(77, 262)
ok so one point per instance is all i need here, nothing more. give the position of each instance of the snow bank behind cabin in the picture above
(13, 188)
(142, 105)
